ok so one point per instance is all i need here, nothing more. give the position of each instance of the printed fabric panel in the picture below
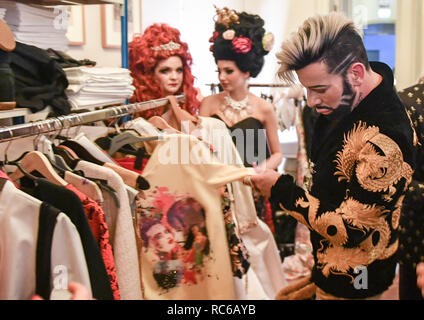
(174, 238)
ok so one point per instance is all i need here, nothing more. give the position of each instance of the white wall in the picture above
(93, 49)
(410, 46)
(194, 19)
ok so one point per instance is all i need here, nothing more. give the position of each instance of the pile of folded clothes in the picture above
(91, 87)
(43, 27)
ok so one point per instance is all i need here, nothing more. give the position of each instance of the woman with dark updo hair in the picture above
(239, 45)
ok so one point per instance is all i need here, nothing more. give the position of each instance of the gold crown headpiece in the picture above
(226, 16)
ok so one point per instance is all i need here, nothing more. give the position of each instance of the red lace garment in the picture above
(97, 222)
(129, 163)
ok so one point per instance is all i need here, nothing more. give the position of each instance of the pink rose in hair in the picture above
(242, 44)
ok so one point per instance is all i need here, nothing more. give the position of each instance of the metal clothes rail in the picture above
(214, 86)
(64, 122)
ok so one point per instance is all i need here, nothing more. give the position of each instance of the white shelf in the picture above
(18, 112)
(25, 112)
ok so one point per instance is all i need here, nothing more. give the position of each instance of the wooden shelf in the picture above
(70, 2)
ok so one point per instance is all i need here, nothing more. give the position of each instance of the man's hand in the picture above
(264, 180)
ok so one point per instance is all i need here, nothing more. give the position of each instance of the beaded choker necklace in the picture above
(234, 110)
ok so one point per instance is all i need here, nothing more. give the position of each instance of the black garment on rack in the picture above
(39, 80)
(67, 61)
(47, 222)
(68, 202)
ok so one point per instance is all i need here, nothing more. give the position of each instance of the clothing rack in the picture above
(64, 122)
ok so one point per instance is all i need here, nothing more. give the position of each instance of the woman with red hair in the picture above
(160, 65)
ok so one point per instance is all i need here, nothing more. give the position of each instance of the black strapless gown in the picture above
(249, 137)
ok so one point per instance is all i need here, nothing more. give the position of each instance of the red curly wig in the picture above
(143, 60)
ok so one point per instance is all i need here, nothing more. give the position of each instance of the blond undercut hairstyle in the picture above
(331, 38)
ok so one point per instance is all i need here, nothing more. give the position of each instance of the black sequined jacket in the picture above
(361, 170)
(411, 249)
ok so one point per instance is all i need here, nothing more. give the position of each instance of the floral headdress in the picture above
(240, 44)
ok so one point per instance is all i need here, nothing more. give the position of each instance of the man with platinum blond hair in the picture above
(362, 159)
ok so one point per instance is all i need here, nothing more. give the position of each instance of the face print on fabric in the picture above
(174, 235)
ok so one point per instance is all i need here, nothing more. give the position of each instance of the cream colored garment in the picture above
(260, 243)
(19, 218)
(93, 148)
(142, 126)
(129, 177)
(215, 132)
(86, 186)
(181, 165)
(122, 232)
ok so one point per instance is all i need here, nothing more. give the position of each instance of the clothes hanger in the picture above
(122, 139)
(56, 159)
(175, 118)
(104, 143)
(161, 124)
(59, 170)
(61, 163)
(181, 117)
(127, 138)
(15, 163)
(141, 126)
(20, 168)
(81, 152)
(36, 161)
(67, 155)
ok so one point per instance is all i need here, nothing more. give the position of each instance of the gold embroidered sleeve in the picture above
(374, 159)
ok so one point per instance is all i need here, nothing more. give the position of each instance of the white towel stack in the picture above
(43, 27)
(91, 87)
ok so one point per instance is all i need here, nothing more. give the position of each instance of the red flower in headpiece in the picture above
(215, 35)
(242, 44)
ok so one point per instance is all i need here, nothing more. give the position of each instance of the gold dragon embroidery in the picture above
(377, 163)
(375, 172)
(333, 257)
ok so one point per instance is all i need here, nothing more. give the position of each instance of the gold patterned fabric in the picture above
(362, 167)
